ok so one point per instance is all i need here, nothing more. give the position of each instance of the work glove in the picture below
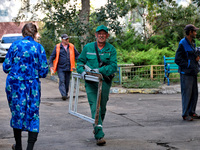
(83, 75)
(87, 68)
(95, 70)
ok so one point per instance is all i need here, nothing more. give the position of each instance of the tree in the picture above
(61, 17)
(110, 14)
(196, 2)
(169, 17)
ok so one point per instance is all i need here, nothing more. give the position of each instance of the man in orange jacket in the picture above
(62, 60)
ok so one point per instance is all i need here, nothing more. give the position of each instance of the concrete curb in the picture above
(164, 89)
(133, 91)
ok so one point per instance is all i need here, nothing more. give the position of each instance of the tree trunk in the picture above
(84, 15)
(85, 11)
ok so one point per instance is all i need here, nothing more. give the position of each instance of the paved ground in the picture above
(133, 122)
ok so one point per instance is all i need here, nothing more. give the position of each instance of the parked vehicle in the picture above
(6, 41)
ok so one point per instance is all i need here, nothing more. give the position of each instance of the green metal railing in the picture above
(126, 73)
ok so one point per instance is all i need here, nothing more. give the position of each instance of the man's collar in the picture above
(191, 43)
(63, 45)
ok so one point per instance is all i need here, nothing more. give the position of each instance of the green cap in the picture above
(102, 27)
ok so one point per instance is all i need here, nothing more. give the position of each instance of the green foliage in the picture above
(129, 40)
(138, 82)
(159, 40)
(168, 17)
(124, 57)
(143, 47)
(61, 18)
(153, 56)
(197, 42)
(132, 50)
(109, 15)
(196, 2)
(48, 44)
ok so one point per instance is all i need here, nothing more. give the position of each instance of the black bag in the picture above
(101, 64)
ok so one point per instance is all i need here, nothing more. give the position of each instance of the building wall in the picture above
(12, 27)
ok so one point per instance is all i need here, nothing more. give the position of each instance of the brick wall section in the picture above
(12, 27)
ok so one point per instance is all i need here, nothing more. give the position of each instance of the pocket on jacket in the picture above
(105, 57)
(92, 59)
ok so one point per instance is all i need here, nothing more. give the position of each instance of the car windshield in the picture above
(11, 39)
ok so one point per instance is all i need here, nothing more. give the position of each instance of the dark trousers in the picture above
(64, 80)
(32, 138)
(189, 92)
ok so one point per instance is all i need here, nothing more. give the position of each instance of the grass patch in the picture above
(138, 82)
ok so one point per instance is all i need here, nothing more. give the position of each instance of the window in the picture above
(11, 39)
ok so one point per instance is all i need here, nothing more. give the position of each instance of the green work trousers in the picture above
(92, 90)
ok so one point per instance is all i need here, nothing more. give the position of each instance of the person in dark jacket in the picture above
(62, 60)
(187, 60)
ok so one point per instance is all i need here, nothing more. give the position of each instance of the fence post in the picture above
(120, 76)
(151, 72)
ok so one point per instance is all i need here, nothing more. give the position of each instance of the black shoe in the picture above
(64, 98)
(195, 116)
(101, 142)
(188, 118)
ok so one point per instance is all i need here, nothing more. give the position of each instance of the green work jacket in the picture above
(88, 56)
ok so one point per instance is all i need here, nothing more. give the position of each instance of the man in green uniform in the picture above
(88, 57)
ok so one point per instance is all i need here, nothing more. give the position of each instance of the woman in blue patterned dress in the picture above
(25, 63)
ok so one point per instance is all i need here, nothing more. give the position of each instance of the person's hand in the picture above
(95, 70)
(83, 75)
(197, 59)
(52, 72)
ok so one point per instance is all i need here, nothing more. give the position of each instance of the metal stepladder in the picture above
(96, 77)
